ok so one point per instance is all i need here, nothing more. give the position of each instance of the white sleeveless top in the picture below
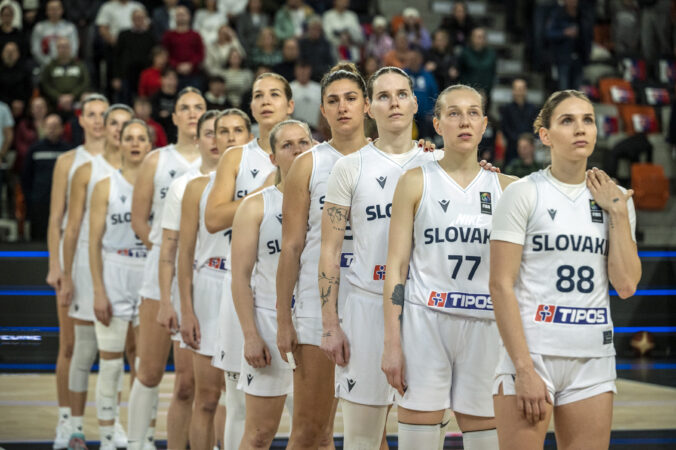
(307, 303)
(81, 156)
(119, 238)
(562, 287)
(100, 170)
(170, 165)
(450, 258)
(264, 275)
(211, 248)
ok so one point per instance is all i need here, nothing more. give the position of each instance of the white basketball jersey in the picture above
(81, 156)
(307, 303)
(100, 169)
(269, 246)
(119, 238)
(370, 214)
(451, 244)
(212, 248)
(562, 286)
(170, 165)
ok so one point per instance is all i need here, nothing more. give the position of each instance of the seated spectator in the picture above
(440, 60)
(306, 95)
(164, 18)
(417, 34)
(291, 18)
(17, 20)
(250, 23)
(219, 50)
(186, 50)
(29, 130)
(630, 149)
(238, 79)
(369, 66)
(656, 30)
(290, 55)
(143, 110)
(10, 33)
(6, 137)
(46, 33)
(208, 21)
(380, 42)
(132, 52)
(163, 103)
(459, 25)
(397, 56)
(36, 179)
(216, 95)
(339, 22)
(624, 21)
(524, 164)
(16, 85)
(266, 52)
(569, 43)
(425, 89)
(64, 79)
(477, 63)
(230, 9)
(151, 78)
(516, 118)
(315, 49)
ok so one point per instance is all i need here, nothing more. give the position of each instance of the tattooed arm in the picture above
(404, 205)
(334, 222)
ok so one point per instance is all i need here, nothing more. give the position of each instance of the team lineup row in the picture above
(290, 272)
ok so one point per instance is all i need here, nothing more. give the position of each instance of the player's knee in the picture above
(208, 400)
(260, 437)
(185, 389)
(308, 435)
(148, 375)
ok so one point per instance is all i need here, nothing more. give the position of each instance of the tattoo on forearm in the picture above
(398, 298)
(615, 200)
(325, 292)
(338, 217)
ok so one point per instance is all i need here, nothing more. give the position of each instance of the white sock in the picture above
(76, 422)
(363, 424)
(107, 433)
(141, 402)
(480, 440)
(235, 413)
(150, 435)
(443, 426)
(414, 437)
(64, 415)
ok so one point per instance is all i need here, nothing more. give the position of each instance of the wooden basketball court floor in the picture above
(28, 409)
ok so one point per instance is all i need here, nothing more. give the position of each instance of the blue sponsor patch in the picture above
(346, 259)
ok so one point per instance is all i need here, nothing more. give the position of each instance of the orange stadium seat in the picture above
(616, 90)
(639, 119)
(650, 185)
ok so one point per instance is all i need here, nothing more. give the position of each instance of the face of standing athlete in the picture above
(393, 104)
(231, 131)
(572, 131)
(135, 144)
(189, 108)
(344, 106)
(461, 121)
(292, 140)
(91, 119)
(114, 124)
(269, 104)
(206, 142)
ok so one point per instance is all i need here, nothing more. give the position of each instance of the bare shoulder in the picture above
(197, 185)
(251, 208)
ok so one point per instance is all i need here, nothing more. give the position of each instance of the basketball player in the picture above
(559, 236)
(241, 171)
(91, 120)
(441, 347)
(117, 258)
(77, 282)
(159, 169)
(266, 378)
(200, 302)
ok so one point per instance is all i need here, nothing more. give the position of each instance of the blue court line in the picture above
(649, 293)
(651, 366)
(657, 254)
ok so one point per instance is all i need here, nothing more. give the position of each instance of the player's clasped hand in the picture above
(167, 317)
(287, 341)
(190, 331)
(256, 353)
(336, 346)
(393, 366)
(532, 396)
(103, 310)
(604, 190)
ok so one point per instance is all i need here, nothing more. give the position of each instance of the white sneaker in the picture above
(62, 435)
(149, 445)
(120, 437)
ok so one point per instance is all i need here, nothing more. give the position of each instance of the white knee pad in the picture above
(111, 338)
(142, 403)
(235, 413)
(84, 355)
(363, 424)
(110, 372)
(481, 440)
(412, 437)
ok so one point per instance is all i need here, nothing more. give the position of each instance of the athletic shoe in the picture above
(62, 435)
(120, 438)
(149, 445)
(77, 442)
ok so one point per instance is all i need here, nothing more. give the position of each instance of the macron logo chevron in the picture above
(444, 204)
(381, 181)
(254, 173)
(552, 213)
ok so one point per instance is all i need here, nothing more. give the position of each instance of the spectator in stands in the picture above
(36, 179)
(16, 85)
(458, 24)
(290, 55)
(10, 33)
(238, 79)
(216, 95)
(208, 20)
(219, 50)
(656, 29)
(163, 102)
(306, 95)
(542, 9)
(230, 9)
(29, 130)
(425, 89)
(46, 33)
(440, 60)
(17, 20)
(82, 14)
(339, 21)
(477, 63)
(524, 164)
(380, 42)
(516, 118)
(416, 32)
(315, 49)
(6, 137)
(132, 55)
(65, 78)
(630, 149)
(624, 21)
(250, 23)
(186, 50)
(164, 18)
(143, 110)
(369, 66)
(290, 19)
(569, 42)
(150, 79)
(266, 52)
(397, 56)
